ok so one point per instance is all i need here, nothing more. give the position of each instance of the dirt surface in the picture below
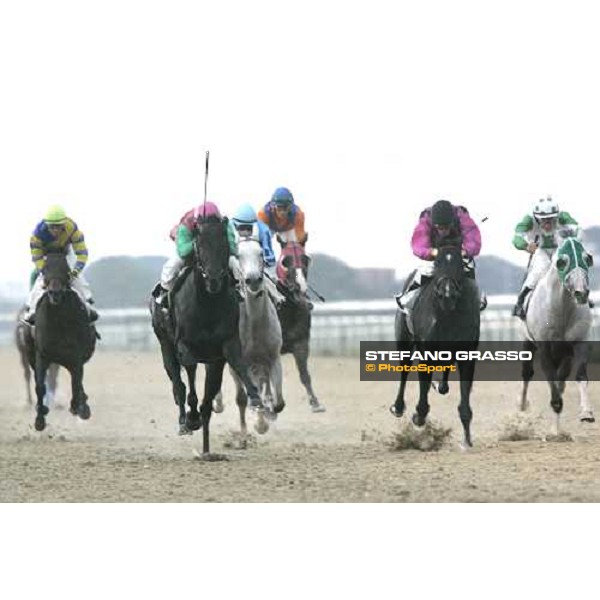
(129, 451)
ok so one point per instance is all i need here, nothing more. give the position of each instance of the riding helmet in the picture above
(442, 213)
(282, 197)
(56, 215)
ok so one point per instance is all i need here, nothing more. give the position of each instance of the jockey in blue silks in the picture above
(247, 225)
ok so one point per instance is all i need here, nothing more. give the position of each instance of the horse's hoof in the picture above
(279, 407)
(261, 426)
(466, 445)
(418, 420)
(317, 407)
(183, 430)
(443, 388)
(84, 411)
(396, 412)
(73, 408)
(193, 423)
(587, 417)
(210, 457)
(40, 423)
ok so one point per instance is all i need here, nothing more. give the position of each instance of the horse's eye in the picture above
(286, 261)
(562, 262)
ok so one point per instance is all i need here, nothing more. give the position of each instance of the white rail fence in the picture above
(337, 327)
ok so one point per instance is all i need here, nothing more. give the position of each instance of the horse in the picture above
(202, 327)
(23, 339)
(63, 335)
(557, 324)
(260, 336)
(294, 313)
(445, 316)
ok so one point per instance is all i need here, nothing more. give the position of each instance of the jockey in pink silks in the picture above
(442, 224)
(183, 236)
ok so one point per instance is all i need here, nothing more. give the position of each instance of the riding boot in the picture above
(402, 295)
(518, 308)
(93, 313)
(29, 318)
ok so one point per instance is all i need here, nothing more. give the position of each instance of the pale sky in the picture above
(367, 111)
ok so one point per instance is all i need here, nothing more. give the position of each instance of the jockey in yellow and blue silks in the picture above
(247, 224)
(58, 233)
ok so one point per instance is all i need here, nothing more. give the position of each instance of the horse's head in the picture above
(573, 262)
(251, 264)
(56, 274)
(211, 252)
(447, 277)
(292, 271)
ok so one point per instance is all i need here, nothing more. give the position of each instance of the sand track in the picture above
(129, 451)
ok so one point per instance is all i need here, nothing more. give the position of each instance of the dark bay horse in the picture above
(62, 335)
(294, 313)
(445, 316)
(203, 327)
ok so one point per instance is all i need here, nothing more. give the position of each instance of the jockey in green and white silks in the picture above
(540, 234)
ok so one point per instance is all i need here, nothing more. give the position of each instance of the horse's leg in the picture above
(467, 373)
(399, 406)
(277, 380)
(51, 385)
(443, 386)
(422, 410)
(233, 355)
(173, 369)
(27, 374)
(192, 420)
(301, 351)
(549, 368)
(212, 385)
(218, 406)
(526, 374)
(242, 402)
(581, 349)
(41, 366)
(79, 405)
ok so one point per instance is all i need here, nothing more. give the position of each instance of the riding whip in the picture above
(205, 181)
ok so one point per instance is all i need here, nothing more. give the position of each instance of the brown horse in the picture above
(294, 313)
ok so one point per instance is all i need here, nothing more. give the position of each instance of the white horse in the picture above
(558, 324)
(260, 337)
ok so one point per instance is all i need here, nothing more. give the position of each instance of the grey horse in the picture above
(558, 324)
(260, 337)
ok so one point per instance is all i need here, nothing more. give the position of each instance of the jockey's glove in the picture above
(74, 273)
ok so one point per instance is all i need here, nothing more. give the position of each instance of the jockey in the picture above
(442, 224)
(539, 234)
(248, 225)
(284, 217)
(58, 233)
(183, 236)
